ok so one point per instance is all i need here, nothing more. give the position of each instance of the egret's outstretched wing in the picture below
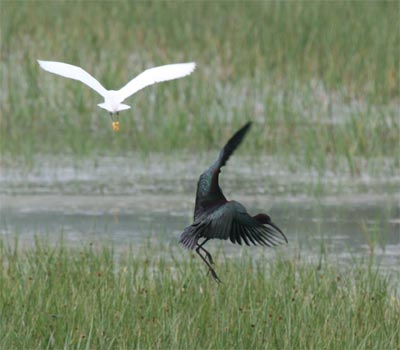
(155, 75)
(73, 72)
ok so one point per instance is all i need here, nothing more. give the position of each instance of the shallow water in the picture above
(136, 201)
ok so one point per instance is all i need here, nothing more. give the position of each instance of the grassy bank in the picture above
(320, 79)
(60, 297)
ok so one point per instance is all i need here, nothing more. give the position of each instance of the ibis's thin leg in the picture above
(200, 246)
(213, 273)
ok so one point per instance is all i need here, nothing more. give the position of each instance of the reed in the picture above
(54, 296)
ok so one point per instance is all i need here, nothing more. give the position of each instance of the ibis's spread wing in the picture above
(226, 152)
(231, 221)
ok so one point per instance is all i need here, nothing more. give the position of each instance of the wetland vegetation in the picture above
(91, 297)
(320, 80)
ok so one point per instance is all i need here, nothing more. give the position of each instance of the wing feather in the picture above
(73, 72)
(231, 221)
(234, 233)
(252, 238)
(229, 148)
(237, 236)
(155, 75)
(266, 237)
(192, 233)
(257, 235)
(244, 235)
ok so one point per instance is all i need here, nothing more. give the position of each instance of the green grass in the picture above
(320, 79)
(61, 297)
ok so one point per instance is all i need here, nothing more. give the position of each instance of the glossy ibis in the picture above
(216, 217)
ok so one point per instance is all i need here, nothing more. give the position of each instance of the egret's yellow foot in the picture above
(115, 126)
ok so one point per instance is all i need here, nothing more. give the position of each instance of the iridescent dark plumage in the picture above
(216, 217)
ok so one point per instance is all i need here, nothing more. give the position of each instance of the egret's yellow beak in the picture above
(115, 126)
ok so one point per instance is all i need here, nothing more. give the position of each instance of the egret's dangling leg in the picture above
(115, 122)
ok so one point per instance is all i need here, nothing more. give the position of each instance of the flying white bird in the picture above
(113, 98)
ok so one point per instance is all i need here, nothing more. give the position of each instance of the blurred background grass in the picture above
(321, 79)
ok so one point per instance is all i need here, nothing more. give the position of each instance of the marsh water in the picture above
(139, 200)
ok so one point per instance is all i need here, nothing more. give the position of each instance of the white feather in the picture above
(113, 99)
(73, 72)
(155, 75)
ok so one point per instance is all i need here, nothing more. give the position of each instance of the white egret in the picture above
(113, 98)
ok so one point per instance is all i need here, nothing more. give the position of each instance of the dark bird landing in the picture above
(216, 217)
